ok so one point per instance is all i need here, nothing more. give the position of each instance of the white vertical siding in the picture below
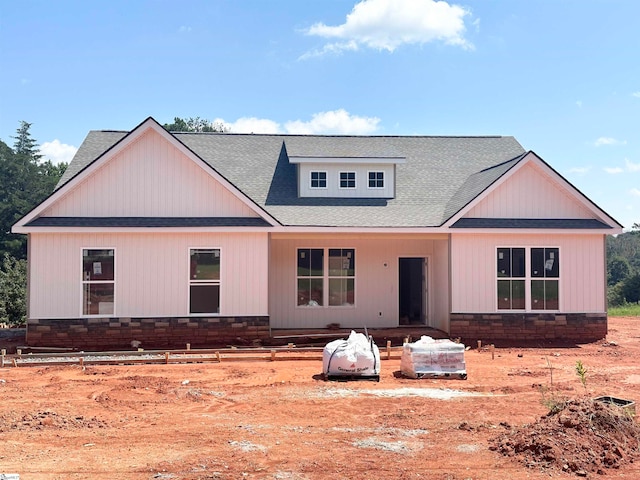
(529, 193)
(152, 272)
(473, 270)
(333, 189)
(376, 281)
(150, 178)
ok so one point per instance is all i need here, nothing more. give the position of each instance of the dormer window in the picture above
(347, 179)
(318, 179)
(376, 179)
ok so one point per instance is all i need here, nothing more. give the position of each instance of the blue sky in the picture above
(562, 76)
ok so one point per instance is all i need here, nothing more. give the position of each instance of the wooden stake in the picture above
(166, 357)
(188, 346)
(273, 355)
(493, 351)
(15, 364)
(218, 357)
(479, 345)
(81, 360)
(388, 349)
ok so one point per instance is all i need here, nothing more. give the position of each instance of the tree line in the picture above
(623, 267)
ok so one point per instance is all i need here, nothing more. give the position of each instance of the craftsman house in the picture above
(173, 238)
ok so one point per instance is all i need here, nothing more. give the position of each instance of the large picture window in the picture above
(204, 280)
(98, 281)
(535, 287)
(331, 284)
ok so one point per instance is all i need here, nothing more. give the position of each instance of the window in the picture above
(347, 179)
(376, 179)
(98, 281)
(539, 290)
(544, 266)
(204, 280)
(511, 281)
(341, 276)
(310, 277)
(318, 179)
(321, 285)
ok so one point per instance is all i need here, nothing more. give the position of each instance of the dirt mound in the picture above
(581, 436)
(47, 419)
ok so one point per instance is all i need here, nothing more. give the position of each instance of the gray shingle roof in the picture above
(440, 175)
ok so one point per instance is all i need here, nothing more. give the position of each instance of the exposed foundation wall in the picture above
(98, 334)
(527, 327)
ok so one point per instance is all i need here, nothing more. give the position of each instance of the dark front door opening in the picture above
(412, 291)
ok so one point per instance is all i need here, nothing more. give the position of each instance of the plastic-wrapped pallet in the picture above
(433, 358)
(356, 357)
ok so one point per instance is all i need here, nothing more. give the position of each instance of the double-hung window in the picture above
(318, 180)
(376, 179)
(204, 280)
(528, 278)
(347, 179)
(325, 284)
(511, 278)
(98, 281)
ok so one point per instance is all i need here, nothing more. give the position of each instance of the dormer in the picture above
(361, 175)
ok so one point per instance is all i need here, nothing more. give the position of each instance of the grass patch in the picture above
(626, 310)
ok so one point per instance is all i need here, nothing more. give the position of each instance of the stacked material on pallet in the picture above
(433, 358)
(356, 357)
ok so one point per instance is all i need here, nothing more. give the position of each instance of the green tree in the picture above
(13, 291)
(194, 125)
(617, 270)
(25, 181)
(631, 288)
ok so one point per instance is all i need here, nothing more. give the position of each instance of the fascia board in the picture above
(348, 160)
(536, 231)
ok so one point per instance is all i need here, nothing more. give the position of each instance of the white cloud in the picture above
(580, 170)
(636, 94)
(635, 192)
(632, 167)
(609, 141)
(251, 125)
(338, 122)
(388, 24)
(579, 103)
(613, 170)
(184, 29)
(57, 152)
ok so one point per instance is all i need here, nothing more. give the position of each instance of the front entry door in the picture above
(412, 291)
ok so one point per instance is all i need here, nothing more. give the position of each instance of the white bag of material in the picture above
(357, 355)
(429, 357)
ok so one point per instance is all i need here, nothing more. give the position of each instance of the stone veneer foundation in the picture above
(96, 334)
(492, 327)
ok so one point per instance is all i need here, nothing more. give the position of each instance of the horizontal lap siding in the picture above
(473, 270)
(151, 272)
(376, 285)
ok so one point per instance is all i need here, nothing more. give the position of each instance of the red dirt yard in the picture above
(282, 420)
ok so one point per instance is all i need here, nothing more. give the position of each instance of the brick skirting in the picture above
(527, 327)
(99, 334)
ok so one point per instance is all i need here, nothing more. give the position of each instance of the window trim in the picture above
(326, 180)
(528, 278)
(369, 187)
(84, 282)
(191, 282)
(325, 279)
(348, 172)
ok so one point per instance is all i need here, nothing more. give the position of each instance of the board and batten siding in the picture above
(151, 272)
(333, 189)
(474, 271)
(376, 280)
(150, 178)
(529, 193)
